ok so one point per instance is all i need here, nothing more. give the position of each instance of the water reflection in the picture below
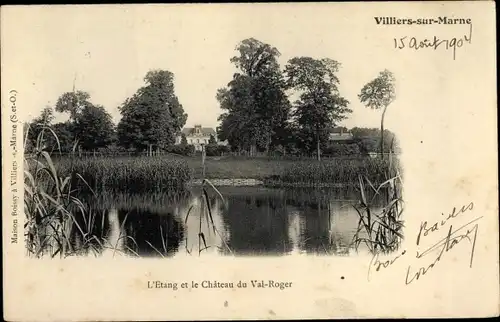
(250, 221)
(149, 233)
(203, 235)
(258, 224)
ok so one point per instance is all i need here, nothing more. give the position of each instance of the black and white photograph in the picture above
(261, 147)
(272, 170)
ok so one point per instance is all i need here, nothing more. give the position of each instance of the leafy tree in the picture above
(47, 116)
(320, 105)
(363, 132)
(369, 139)
(153, 116)
(90, 125)
(93, 127)
(273, 107)
(184, 140)
(256, 57)
(212, 150)
(73, 103)
(238, 122)
(43, 120)
(369, 144)
(343, 149)
(255, 105)
(378, 94)
(182, 149)
(212, 139)
(65, 136)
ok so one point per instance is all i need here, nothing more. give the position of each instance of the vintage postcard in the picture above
(249, 161)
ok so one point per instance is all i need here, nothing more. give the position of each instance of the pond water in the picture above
(245, 221)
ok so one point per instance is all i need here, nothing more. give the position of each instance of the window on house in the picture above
(191, 141)
(197, 140)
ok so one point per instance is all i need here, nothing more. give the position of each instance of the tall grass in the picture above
(334, 172)
(57, 222)
(381, 232)
(129, 173)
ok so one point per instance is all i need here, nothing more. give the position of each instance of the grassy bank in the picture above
(341, 171)
(235, 168)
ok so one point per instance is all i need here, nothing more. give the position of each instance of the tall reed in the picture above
(129, 173)
(58, 223)
(206, 215)
(381, 232)
(339, 171)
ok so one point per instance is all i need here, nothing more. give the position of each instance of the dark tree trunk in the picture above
(268, 142)
(382, 132)
(203, 154)
(317, 145)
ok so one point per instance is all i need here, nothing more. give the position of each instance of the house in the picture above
(198, 136)
(340, 134)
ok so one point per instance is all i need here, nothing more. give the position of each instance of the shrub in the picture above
(216, 150)
(342, 149)
(212, 150)
(182, 149)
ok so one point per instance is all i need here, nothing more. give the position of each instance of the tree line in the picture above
(259, 114)
(150, 120)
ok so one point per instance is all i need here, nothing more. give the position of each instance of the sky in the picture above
(108, 52)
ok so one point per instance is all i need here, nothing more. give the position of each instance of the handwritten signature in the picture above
(453, 237)
(377, 264)
(435, 43)
(446, 244)
(435, 227)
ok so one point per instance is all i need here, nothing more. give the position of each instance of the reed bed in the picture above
(61, 219)
(58, 223)
(339, 172)
(382, 231)
(129, 173)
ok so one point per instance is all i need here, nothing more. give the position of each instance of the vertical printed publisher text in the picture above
(13, 186)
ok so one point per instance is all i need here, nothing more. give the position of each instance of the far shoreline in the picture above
(266, 183)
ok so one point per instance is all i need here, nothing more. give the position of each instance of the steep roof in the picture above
(204, 131)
